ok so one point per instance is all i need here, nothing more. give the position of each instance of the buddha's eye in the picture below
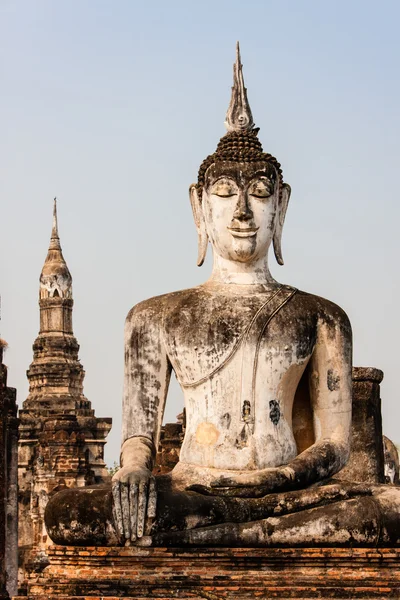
(224, 188)
(262, 188)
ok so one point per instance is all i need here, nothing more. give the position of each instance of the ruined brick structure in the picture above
(8, 484)
(366, 463)
(171, 438)
(61, 442)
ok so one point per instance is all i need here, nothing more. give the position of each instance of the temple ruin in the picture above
(61, 441)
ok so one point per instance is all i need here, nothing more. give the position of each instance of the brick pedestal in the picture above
(164, 573)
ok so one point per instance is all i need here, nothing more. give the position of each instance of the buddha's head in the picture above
(239, 202)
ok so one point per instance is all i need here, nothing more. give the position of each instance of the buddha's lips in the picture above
(243, 231)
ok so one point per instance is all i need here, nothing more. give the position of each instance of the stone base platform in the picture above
(137, 573)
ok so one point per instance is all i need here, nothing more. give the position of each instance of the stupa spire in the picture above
(55, 279)
(55, 240)
(238, 116)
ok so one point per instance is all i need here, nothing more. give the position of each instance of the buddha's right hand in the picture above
(134, 489)
(135, 497)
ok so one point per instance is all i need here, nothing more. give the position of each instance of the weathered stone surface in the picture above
(8, 484)
(338, 514)
(366, 462)
(3, 477)
(61, 441)
(138, 573)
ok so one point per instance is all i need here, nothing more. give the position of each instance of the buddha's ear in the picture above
(202, 237)
(279, 221)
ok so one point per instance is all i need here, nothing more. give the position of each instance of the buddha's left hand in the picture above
(250, 485)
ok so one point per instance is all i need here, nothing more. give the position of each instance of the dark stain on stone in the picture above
(246, 411)
(243, 438)
(274, 411)
(333, 380)
(226, 420)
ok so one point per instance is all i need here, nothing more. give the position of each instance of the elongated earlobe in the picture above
(202, 237)
(279, 221)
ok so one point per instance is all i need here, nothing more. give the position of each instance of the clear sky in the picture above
(112, 106)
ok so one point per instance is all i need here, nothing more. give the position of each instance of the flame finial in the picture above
(238, 116)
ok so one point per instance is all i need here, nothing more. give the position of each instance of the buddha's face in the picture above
(240, 203)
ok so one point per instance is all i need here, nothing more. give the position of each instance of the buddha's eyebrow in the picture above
(270, 176)
(224, 177)
(228, 178)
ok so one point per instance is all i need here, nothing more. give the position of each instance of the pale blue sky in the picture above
(112, 106)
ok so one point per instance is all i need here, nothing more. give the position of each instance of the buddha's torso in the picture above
(239, 383)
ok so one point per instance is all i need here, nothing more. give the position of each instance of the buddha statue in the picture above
(266, 374)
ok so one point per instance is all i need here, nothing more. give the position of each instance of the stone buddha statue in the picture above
(266, 374)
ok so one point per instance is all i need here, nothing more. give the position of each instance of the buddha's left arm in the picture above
(330, 385)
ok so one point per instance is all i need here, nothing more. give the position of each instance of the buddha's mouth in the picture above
(243, 231)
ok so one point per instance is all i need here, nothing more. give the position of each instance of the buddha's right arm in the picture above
(146, 376)
(146, 380)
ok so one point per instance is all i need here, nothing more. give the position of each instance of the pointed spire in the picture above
(55, 240)
(55, 279)
(238, 117)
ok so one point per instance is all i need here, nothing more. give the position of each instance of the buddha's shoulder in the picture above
(196, 300)
(322, 308)
(156, 307)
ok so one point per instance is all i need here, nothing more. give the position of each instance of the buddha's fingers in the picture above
(239, 481)
(117, 507)
(201, 489)
(230, 492)
(133, 509)
(125, 509)
(152, 503)
(253, 491)
(142, 506)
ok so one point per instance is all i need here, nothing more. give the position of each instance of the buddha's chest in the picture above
(262, 333)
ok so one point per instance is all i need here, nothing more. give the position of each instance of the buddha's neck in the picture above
(249, 273)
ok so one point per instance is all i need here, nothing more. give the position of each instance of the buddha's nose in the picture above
(242, 209)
